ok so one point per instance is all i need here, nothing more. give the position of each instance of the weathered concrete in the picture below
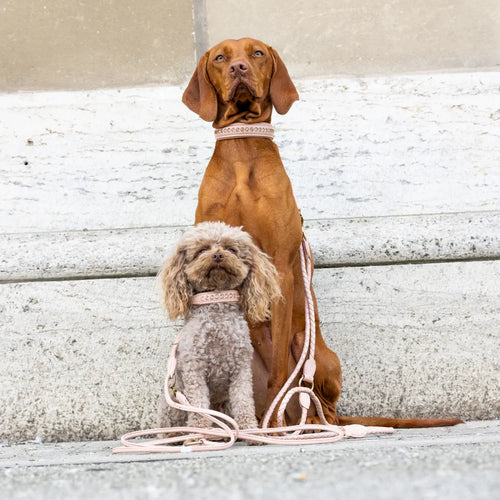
(98, 184)
(134, 158)
(85, 359)
(335, 242)
(446, 464)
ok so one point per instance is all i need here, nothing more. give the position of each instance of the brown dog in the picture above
(245, 184)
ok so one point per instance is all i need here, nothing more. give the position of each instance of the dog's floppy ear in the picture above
(282, 90)
(175, 287)
(200, 95)
(260, 288)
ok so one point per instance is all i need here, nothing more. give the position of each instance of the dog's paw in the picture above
(247, 422)
(253, 443)
(273, 422)
(331, 419)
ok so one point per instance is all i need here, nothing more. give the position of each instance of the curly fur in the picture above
(215, 352)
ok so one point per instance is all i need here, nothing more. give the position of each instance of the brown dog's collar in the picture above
(239, 130)
(223, 296)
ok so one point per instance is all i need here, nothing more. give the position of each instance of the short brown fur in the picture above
(245, 184)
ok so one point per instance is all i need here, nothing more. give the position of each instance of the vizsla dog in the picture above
(245, 184)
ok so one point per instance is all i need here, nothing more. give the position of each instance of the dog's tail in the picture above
(400, 423)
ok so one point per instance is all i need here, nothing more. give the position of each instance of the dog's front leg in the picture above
(241, 400)
(281, 325)
(197, 393)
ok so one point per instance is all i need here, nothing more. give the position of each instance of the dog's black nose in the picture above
(218, 257)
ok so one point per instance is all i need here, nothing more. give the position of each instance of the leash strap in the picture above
(226, 431)
(309, 348)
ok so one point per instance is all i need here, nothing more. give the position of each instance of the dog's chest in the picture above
(216, 338)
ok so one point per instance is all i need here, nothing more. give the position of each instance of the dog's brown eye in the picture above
(258, 53)
(219, 58)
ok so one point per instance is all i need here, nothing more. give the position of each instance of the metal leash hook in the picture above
(226, 431)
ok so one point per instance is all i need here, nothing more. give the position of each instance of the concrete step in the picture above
(66, 255)
(455, 463)
(353, 148)
(85, 359)
(398, 181)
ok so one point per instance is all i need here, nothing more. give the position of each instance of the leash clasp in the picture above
(194, 442)
(172, 387)
(302, 380)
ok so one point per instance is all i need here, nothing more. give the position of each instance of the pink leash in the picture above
(227, 432)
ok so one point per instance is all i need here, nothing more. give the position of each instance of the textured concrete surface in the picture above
(371, 147)
(405, 168)
(335, 243)
(446, 464)
(85, 359)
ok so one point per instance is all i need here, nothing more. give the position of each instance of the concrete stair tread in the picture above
(448, 463)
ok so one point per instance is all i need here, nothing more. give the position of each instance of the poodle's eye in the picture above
(231, 250)
(203, 250)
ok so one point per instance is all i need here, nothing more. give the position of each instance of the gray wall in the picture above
(80, 44)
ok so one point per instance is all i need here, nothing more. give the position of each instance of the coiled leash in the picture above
(226, 431)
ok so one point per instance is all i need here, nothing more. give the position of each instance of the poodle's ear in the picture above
(282, 90)
(176, 291)
(260, 288)
(200, 95)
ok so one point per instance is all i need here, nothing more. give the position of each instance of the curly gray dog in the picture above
(214, 354)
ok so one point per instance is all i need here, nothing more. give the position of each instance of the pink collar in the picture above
(240, 130)
(215, 297)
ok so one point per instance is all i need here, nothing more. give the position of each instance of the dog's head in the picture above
(240, 80)
(213, 256)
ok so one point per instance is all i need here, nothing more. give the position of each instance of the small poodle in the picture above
(214, 354)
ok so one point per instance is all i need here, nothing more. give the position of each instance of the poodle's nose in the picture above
(218, 257)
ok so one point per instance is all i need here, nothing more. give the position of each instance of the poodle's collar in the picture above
(215, 297)
(239, 130)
